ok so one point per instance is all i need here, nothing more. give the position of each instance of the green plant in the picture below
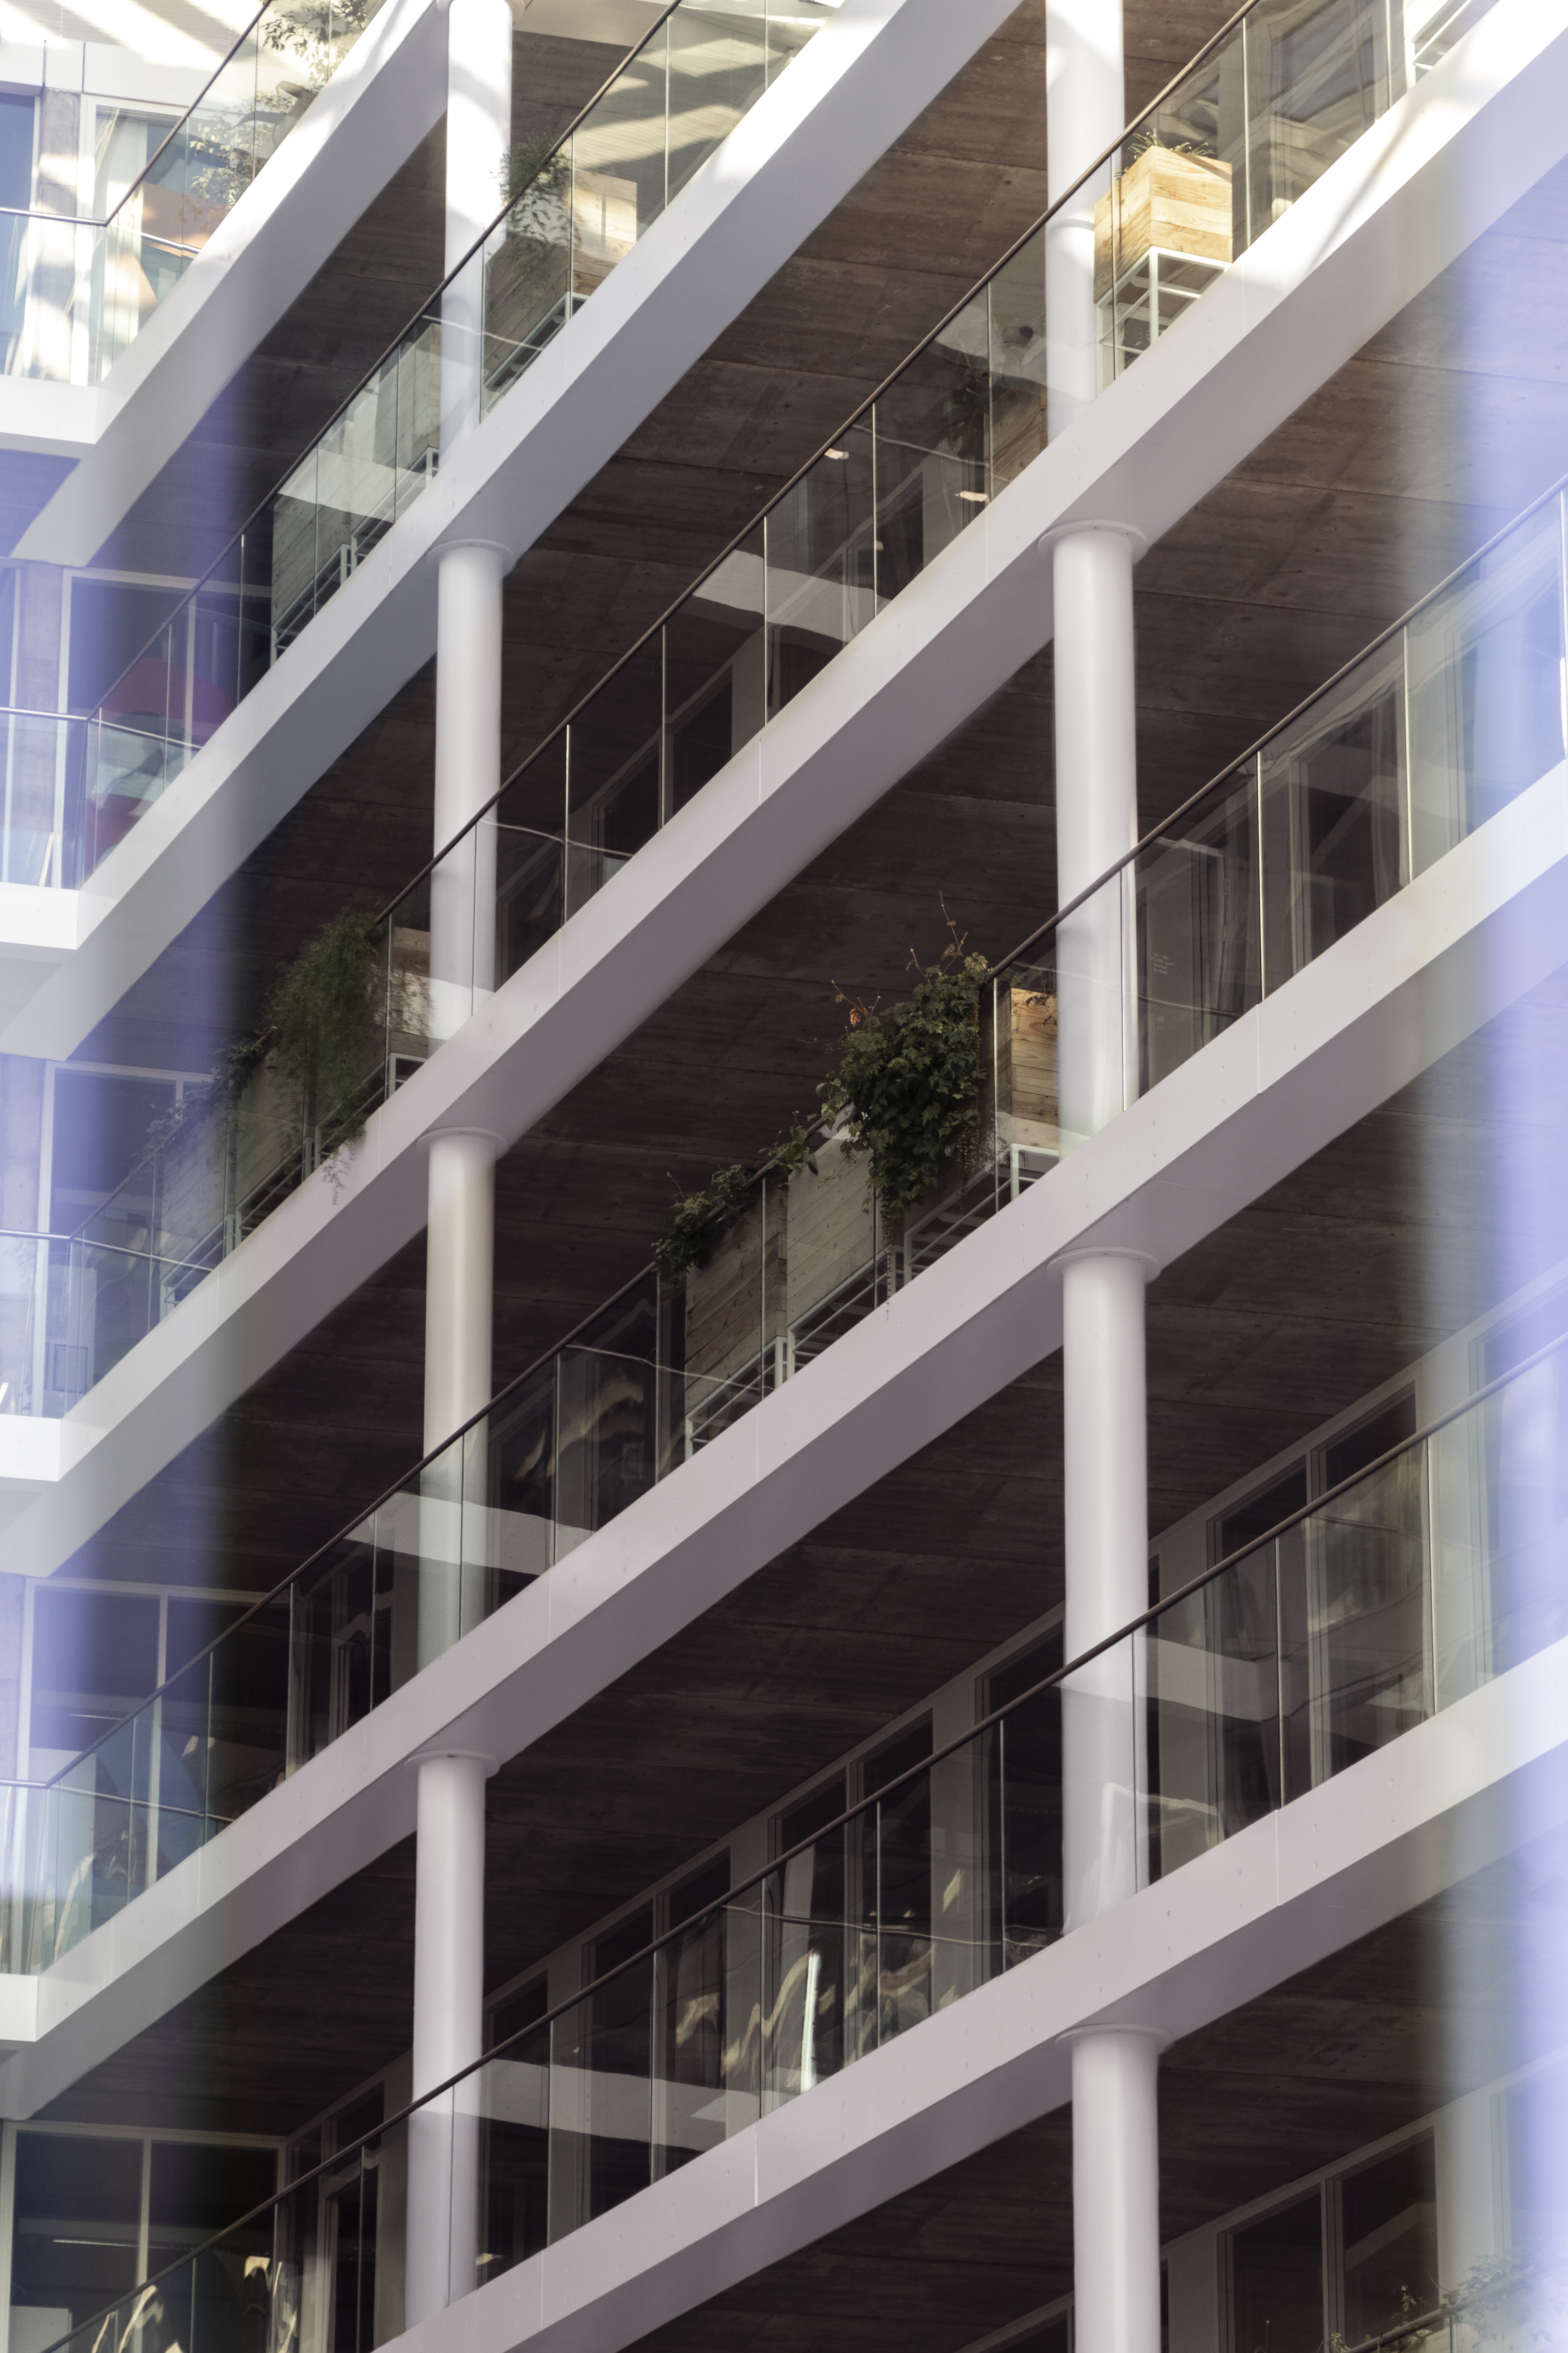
(323, 1018)
(687, 1238)
(906, 1089)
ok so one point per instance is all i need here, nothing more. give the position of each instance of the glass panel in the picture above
(715, 671)
(528, 273)
(1175, 215)
(1276, 2279)
(1333, 832)
(1095, 997)
(601, 2100)
(1317, 77)
(811, 1991)
(613, 780)
(1355, 1632)
(1199, 949)
(77, 2221)
(821, 565)
(691, 1976)
(1104, 1767)
(718, 70)
(513, 2103)
(1486, 686)
(530, 858)
(932, 433)
(902, 1895)
(1388, 2230)
(1018, 363)
(608, 1442)
(617, 168)
(1213, 1728)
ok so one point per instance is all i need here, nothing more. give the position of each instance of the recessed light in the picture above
(973, 498)
(836, 453)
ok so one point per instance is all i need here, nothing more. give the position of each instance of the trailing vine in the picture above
(322, 1016)
(906, 1089)
(906, 1093)
(694, 1221)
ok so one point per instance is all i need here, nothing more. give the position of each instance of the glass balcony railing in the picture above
(1414, 745)
(72, 1305)
(76, 293)
(1445, 720)
(1194, 182)
(673, 102)
(1401, 1591)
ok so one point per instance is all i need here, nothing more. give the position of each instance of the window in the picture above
(1347, 2259)
(1389, 1425)
(1508, 1344)
(78, 2236)
(95, 1658)
(905, 1749)
(1277, 2281)
(1388, 2237)
(1247, 1522)
(98, 1133)
(810, 1814)
(525, 2006)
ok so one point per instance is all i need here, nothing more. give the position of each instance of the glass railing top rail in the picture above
(670, 106)
(86, 285)
(1401, 1591)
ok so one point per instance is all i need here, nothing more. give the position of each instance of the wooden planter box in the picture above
(1180, 204)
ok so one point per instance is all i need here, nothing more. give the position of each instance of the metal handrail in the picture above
(911, 1774)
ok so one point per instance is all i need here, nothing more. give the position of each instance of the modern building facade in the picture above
(783, 1270)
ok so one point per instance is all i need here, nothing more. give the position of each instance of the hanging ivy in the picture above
(906, 1089)
(323, 1013)
(696, 1219)
(906, 1093)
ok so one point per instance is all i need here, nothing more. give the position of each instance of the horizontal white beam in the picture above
(1464, 942)
(1395, 1831)
(1395, 210)
(387, 94)
(856, 88)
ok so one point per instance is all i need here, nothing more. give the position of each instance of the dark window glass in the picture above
(895, 1756)
(95, 1658)
(1390, 1426)
(1389, 2231)
(78, 2217)
(193, 1623)
(708, 1885)
(1277, 2281)
(629, 1936)
(195, 2190)
(1024, 1670)
(811, 1814)
(1246, 1522)
(524, 2008)
(1053, 2335)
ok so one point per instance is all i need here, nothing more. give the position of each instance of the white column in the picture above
(1086, 111)
(460, 1290)
(1097, 819)
(479, 143)
(1116, 2190)
(469, 612)
(442, 2245)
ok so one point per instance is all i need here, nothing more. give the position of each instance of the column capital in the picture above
(1145, 1259)
(1104, 526)
(439, 1756)
(501, 547)
(1128, 2030)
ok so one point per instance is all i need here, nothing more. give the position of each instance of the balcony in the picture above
(1342, 1639)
